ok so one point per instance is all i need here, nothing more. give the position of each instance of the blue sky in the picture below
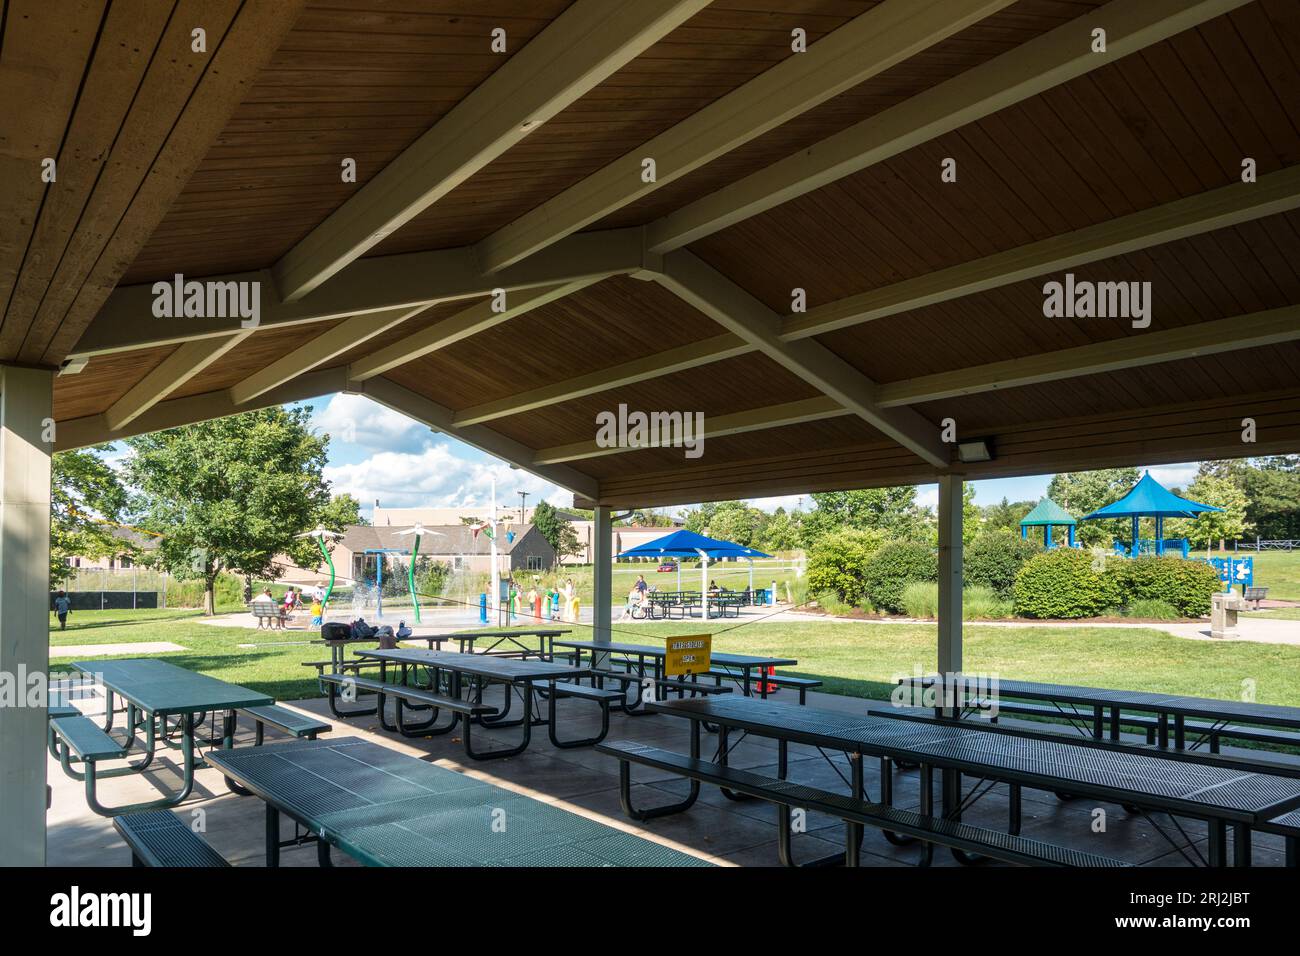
(378, 453)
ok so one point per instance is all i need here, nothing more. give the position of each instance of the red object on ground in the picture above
(770, 672)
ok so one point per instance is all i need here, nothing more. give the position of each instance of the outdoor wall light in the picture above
(979, 450)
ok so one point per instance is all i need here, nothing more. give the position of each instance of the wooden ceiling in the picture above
(924, 297)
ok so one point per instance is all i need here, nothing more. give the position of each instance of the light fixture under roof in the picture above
(977, 450)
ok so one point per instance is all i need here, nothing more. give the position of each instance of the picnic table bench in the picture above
(154, 690)
(385, 808)
(452, 674)
(1220, 796)
(159, 838)
(269, 613)
(510, 640)
(1101, 712)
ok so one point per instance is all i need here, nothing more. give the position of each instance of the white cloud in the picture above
(356, 420)
(1171, 476)
(436, 477)
(788, 502)
(927, 496)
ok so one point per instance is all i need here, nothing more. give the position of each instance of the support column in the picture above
(950, 573)
(26, 442)
(602, 580)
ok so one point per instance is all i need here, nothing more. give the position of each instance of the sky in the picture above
(376, 453)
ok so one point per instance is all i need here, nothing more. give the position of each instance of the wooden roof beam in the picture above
(174, 371)
(585, 45)
(1018, 75)
(477, 318)
(378, 284)
(883, 37)
(1217, 209)
(741, 314)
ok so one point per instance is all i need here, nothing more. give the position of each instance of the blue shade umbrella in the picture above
(1150, 499)
(688, 544)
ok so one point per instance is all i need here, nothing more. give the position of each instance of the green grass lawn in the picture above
(852, 658)
(1279, 571)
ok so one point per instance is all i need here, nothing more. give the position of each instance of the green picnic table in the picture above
(385, 808)
(154, 690)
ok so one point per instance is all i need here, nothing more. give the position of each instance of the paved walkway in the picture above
(143, 648)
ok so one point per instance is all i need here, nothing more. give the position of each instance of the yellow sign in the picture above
(688, 655)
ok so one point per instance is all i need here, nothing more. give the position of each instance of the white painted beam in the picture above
(369, 285)
(477, 318)
(737, 423)
(1013, 77)
(740, 313)
(1217, 209)
(584, 46)
(882, 37)
(174, 371)
(175, 412)
(439, 418)
(1256, 330)
(602, 580)
(26, 400)
(655, 365)
(327, 346)
(951, 502)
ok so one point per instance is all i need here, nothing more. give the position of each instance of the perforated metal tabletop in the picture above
(508, 669)
(1143, 779)
(386, 808)
(659, 650)
(158, 687)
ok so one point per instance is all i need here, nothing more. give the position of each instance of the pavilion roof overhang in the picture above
(508, 323)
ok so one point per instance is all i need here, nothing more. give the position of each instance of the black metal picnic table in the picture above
(1218, 795)
(518, 675)
(1106, 706)
(385, 808)
(509, 639)
(655, 653)
(155, 690)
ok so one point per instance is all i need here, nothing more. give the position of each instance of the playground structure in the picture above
(1150, 499)
(1047, 514)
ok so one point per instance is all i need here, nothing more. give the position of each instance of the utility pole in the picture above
(523, 501)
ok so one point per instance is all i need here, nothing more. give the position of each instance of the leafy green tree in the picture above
(1272, 489)
(736, 521)
(87, 497)
(1006, 515)
(232, 493)
(1222, 491)
(782, 531)
(892, 510)
(1082, 492)
(838, 562)
(558, 532)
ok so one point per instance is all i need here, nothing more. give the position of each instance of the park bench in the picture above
(801, 684)
(727, 604)
(269, 614)
(83, 737)
(1255, 594)
(160, 838)
(285, 720)
(856, 813)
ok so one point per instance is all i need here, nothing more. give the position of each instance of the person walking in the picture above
(62, 607)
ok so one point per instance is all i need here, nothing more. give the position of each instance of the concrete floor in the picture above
(586, 782)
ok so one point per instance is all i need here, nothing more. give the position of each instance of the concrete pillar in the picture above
(26, 442)
(602, 579)
(950, 574)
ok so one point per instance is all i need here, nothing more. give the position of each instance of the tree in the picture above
(228, 495)
(892, 510)
(1272, 488)
(558, 532)
(87, 496)
(1082, 492)
(1212, 488)
(1006, 515)
(736, 521)
(649, 518)
(782, 531)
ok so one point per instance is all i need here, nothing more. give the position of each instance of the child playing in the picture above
(62, 605)
(316, 612)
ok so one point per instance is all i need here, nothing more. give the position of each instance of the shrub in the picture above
(1153, 609)
(830, 602)
(994, 559)
(895, 566)
(1184, 585)
(1061, 583)
(838, 561)
(921, 599)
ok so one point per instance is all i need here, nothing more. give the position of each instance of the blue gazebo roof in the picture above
(688, 544)
(1150, 499)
